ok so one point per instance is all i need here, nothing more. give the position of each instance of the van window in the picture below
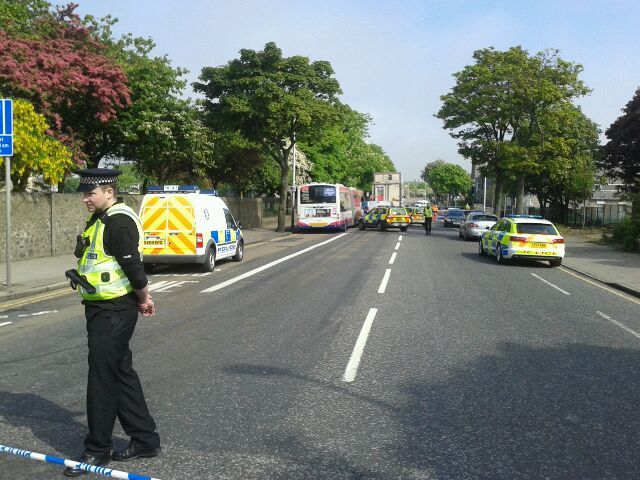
(231, 224)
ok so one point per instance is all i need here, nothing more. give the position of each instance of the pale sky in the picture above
(394, 59)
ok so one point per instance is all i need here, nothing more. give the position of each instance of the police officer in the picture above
(109, 256)
(428, 217)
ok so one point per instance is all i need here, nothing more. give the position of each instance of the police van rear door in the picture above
(168, 221)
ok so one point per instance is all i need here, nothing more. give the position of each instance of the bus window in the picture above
(318, 194)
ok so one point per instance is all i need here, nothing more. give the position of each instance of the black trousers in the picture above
(113, 388)
(427, 225)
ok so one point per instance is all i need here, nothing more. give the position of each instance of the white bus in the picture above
(327, 205)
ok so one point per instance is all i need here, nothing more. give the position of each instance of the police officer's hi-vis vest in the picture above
(102, 270)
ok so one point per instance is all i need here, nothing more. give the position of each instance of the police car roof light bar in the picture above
(512, 215)
(173, 189)
(107, 472)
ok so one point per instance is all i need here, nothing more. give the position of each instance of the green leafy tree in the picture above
(272, 101)
(567, 158)
(622, 151)
(342, 155)
(447, 179)
(497, 109)
(22, 17)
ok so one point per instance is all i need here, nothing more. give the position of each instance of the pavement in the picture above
(607, 264)
(44, 274)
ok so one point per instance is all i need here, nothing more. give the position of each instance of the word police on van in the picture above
(183, 224)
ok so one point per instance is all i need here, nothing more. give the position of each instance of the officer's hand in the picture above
(147, 308)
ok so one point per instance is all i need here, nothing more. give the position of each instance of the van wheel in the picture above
(239, 252)
(149, 267)
(555, 263)
(209, 260)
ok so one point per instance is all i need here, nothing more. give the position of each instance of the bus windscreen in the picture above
(318, 194)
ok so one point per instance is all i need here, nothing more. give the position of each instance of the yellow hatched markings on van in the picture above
(154, 218)
(181, 226)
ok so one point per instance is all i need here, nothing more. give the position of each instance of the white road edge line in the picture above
(397, 246)
(621, 325)
(551, 284)
(393, 258)
(385, 280)
(400, 238)
(250, 273)
(5, 323)
(356, 354)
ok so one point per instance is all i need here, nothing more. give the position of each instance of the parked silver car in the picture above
(475, 223)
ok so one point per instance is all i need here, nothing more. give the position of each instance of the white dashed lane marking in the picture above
(551, 284)
(618, 324)
(385, 280)
(358, 349)
(5, 323)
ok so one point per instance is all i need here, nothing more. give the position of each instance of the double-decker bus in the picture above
(327, 205)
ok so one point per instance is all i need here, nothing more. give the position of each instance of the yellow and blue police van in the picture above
(183, 224)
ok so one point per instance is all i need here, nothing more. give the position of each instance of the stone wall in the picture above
(47, 224)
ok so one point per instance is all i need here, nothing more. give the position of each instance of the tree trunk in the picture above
(520, 197)
(284, 185)
(635, 206)
(497, 195)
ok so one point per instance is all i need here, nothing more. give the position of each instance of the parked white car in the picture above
(475, 223)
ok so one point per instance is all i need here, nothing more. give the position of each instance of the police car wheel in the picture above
(499, 256)
(239, 252)
(481, 248)
(209, 261)
(380, 226)
(403, 229)
(361, 224)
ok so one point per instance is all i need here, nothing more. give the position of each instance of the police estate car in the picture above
(523, 236)
(386, 217)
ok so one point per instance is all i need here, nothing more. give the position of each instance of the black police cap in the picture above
(90, 178)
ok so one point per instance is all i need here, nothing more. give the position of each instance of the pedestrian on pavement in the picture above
(109, 255)
(428, 217)
(466, 206)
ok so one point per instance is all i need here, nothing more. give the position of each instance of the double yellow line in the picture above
(19, 302)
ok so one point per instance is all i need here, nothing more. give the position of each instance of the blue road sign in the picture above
(6, 127)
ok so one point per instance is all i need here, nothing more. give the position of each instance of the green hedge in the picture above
(627, 233)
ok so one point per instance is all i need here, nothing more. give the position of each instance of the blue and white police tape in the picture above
(106, 472)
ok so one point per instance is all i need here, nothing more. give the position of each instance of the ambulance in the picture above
(183, 224)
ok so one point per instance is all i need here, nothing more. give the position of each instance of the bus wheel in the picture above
(209, 260)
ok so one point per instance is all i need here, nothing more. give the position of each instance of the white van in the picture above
(183, 224)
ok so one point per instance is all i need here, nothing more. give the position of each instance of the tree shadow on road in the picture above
(564, 412)
(558, 413)
(54, 425)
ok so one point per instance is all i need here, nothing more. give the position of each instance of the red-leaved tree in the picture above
(67, 76)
